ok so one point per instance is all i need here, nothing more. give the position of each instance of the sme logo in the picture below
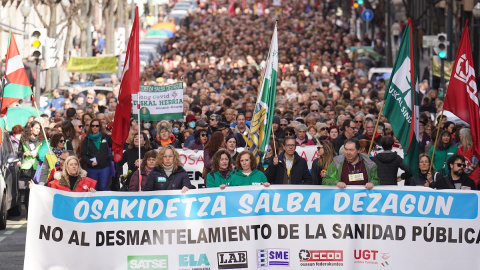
(148, 262)
(232, 260)
(321, 255)
(273, 257)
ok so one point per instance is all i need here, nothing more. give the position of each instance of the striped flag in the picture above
(15, 82)
(261, 125)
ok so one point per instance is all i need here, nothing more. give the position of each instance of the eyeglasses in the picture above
(203, 135)
(283, 125)
(324, 128)
(357, 122)
(289, 145)
(80, 126)
(62, 141)
(314, 110)
(288, 134)
(318, 147)
(213, 119)
(95, 126)
(462, 165)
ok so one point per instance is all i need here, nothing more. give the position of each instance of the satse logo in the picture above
(190, 260)
(232, 259)
(148, 262)
(273, 257)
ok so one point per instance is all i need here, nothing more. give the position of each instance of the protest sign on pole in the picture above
(254, 227)
(159, 102)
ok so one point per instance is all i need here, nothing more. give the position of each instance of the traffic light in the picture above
(50, 52)
(37, 41)
(119, 44)
(356, 5)
(360, 2)
(441, 45)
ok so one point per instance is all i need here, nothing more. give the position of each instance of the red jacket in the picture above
(82, 185)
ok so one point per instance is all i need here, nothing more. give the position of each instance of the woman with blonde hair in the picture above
(466, 150)
(326, 153)
(168, 173)
(72, 177)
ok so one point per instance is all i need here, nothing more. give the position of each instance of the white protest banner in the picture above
(159, 102)
(297, 227)
(193, 162)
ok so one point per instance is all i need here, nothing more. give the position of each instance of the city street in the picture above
(12, 243)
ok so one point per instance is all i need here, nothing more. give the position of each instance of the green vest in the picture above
(30, 162)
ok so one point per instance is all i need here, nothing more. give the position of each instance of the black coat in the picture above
(446, 182)
(89, 150)
(388, 164)
(299, 173)
(158, 180)
(130, 156)
(316, 172)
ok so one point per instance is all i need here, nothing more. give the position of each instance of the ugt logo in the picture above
(465, 73)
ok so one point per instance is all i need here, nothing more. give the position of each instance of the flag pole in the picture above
(259, 98)
(43, 130)
(139, 143)
(274, 147)
(436, 139)
(376, 126)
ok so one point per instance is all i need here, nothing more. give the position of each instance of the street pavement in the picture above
(12, 243)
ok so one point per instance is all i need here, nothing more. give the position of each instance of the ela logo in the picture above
(189, 260)
(148, 262)
(232, 260)
(273, 257)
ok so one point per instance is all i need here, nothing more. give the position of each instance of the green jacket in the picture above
(441, 157)
(256, 177)
(215, 179)
(334, 171)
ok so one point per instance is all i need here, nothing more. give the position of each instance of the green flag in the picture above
(401, 100)
(261, 125)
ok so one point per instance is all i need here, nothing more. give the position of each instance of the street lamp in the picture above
(25, 9)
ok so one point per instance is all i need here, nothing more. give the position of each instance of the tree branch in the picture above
(35, 7)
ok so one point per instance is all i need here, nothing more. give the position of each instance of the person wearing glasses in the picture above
(96, 154)
(213, 121)
(325, 152)
(201, 139)
(351, 168)
(358, 120)
(455, 179)
(283, 124)
(369, 130)
(322, 131)
(168, 173)
(57, 145)
(289, 167)
(349, 130)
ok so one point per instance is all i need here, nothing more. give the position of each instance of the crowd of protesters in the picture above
(323, 98)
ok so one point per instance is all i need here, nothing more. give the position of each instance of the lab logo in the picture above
(187, 261)
(148, 262)
(273, 257)
(232, 260)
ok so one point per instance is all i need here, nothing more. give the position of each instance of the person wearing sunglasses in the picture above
(96, 154)
(455, 179)
(201, 139)
(288, 167)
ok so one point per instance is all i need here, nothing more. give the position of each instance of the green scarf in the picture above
(97, 139)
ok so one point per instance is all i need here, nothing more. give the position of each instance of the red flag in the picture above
(231, 8)
(130, 85)
(462, 96)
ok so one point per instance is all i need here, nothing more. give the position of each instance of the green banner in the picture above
(159, 102)
(99, 64)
